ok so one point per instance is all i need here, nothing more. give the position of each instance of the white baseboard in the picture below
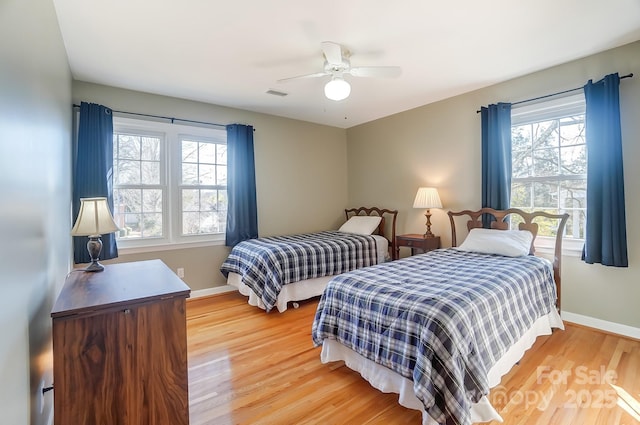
(603, 325)
(212, 291)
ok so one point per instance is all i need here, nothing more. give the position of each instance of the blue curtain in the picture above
(606, 236)
(242, 212)
(93, 172)
(496, 158)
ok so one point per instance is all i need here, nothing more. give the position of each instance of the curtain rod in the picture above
(172, 119)
(555, 94)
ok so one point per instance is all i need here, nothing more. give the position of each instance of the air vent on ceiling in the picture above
(277, 93)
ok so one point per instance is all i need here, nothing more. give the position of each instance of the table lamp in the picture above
(427, 197)
(94, 220)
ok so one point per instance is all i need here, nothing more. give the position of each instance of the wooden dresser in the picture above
(120, 347)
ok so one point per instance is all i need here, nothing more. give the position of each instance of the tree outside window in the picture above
(549, 167)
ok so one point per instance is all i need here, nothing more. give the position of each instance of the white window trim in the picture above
(540, 111)
(137, 128)
(547, 109)
(141, 249)
(171, 162)
(571, 247)
(175, 190)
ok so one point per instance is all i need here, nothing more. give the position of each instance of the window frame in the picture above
(554, 109)
(163, 185)
(171, 170)
(178, 186)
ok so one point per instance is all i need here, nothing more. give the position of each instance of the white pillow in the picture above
(511, 243)
(361, 224)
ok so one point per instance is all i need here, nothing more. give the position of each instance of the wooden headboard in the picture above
(381, 212)
(527, 224)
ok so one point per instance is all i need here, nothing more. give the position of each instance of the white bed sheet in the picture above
(304, 289)
(388, 381)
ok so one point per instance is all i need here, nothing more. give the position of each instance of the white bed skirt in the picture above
(297, 291)
(387, 381)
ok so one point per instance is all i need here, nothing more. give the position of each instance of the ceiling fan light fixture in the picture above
(337, 89)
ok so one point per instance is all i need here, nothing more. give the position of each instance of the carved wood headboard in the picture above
(390, 234)
(526, 224)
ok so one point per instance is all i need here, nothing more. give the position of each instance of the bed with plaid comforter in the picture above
(266, 264)
(440, 319)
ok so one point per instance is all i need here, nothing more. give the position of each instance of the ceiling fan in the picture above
(337, 64)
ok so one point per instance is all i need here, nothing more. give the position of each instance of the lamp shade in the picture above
(337, 89)
(94, 218)
(427, 197)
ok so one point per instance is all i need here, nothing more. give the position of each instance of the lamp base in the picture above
(428, 233)
(94, 246)
(94, 267)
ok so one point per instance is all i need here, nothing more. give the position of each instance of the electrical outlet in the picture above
(180, 272)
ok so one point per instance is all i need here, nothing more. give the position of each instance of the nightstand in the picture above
(416, 241)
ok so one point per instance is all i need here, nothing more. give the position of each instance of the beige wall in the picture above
(302, 183)
(301, 172)
(439, 145)
(35, 196)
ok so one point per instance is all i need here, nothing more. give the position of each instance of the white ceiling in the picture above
(232, 52)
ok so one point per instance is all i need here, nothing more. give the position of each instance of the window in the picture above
(203, 187)
(170, 183)
(549, 162)
(138, 185)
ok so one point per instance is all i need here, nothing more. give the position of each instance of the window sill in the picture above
(168, 247)
(570, 247)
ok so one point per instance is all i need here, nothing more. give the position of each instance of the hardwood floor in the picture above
(249, 367)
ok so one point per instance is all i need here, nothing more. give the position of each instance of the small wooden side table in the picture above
(416, 241)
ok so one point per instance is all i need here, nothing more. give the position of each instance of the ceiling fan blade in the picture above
(375, 71)
(302, 77)
(332, 52)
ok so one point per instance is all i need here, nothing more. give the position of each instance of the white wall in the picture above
(35, 150)
(301, 172)
(439, 145)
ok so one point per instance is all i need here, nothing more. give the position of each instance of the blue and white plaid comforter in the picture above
(266, 264)
(441, 319)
